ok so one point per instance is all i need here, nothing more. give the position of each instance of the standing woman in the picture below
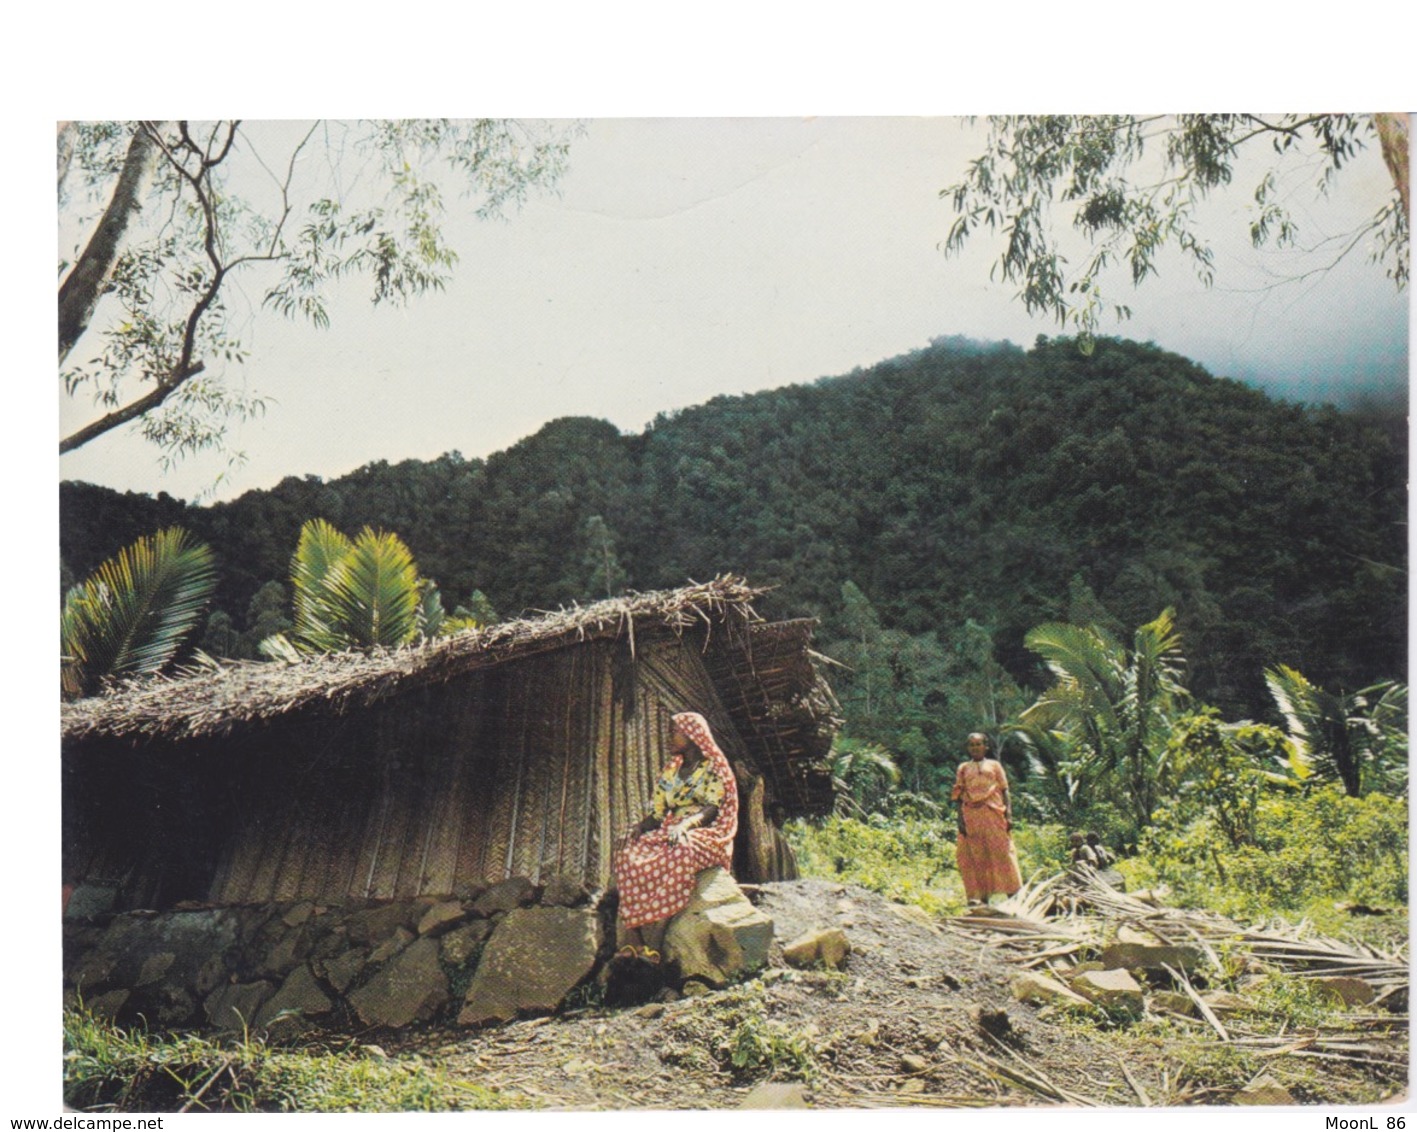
(690, 828)
(984, 851)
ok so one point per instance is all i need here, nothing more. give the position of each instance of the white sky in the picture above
(690, 257)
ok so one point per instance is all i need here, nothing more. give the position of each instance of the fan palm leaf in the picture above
(132, 615)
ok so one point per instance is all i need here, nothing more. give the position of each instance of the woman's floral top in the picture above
(681, 796)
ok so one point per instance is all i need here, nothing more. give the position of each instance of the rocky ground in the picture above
(923, 1013)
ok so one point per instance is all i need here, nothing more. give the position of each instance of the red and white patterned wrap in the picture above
(656, 877)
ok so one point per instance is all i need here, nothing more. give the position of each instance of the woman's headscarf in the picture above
(696, 727)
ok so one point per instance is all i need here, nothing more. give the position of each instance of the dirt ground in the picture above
(922, 1015)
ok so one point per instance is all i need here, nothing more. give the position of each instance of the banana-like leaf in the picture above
(136, 610)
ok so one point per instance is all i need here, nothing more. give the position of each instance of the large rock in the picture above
(534, 958)
(1111, 990)
(776, 1094)
(235, 1006)
(1263, 1090)
(410, 989)
(1346, 990)
(292, 1008)
(461, 944)
(440, 917)
(504, 896)
(1033, 987)
(373, 926)
(719, 935)
(829, 947)
(1151, 958)
(565, 891)
(1173, 1002)
(341, 970)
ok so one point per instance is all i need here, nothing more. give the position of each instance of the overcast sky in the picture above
(690, 257)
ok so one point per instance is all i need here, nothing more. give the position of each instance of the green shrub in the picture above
(906, 858)
(1306, 848)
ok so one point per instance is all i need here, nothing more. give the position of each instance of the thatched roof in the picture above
(233, 697)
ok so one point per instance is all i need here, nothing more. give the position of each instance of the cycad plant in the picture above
(1358, 739)
(363, 592)
(1111, 706)
(133, 615)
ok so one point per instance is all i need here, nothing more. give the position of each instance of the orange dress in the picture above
(655, 876)
(985, 854)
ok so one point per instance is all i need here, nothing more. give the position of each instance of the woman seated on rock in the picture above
(690, 828)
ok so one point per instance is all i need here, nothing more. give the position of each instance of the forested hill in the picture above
(968, 493)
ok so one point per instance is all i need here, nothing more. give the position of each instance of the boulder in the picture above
(440, 917)
(776, 1094)
(108, 1004)
(297, 914)
(1151, 958)
(401, 938)
(1112, 990)
(88, 900)
(829, 947)
(1173, 1002)
(234, 1006)
(1263, 1090)
(289, 952)
(460, 944)
(1346, 990)
(412, 988)
(535, 957)
(154, 967)
(1033, 987)
(340, 971)
(719, 935)
(564, 891)
(290, 1009)
(514, 892)
(373, 926)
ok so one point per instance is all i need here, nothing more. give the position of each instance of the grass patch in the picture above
(118, 1069)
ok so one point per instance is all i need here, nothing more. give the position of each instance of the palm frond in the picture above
(319, 556)
(132, 615)
(374, 592)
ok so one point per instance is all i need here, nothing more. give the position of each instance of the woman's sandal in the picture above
(647, 954)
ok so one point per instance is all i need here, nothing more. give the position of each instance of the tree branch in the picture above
(86, 283)
(143, 404)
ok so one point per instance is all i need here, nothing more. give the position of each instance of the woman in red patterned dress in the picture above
(984, 851)
(690, 828)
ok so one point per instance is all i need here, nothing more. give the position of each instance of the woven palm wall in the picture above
(532, 768)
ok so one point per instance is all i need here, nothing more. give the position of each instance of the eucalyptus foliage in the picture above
(166, 220)
(1132, 186)
(135, 612)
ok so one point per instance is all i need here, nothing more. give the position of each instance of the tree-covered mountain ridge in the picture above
(953, 497)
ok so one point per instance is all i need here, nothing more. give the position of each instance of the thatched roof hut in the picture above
(523, 748)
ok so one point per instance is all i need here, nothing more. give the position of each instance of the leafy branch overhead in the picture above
(170, 220)
(1132, 186)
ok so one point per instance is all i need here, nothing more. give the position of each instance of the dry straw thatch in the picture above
(215, 701)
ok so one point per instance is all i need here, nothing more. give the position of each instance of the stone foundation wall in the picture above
(280, 970)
